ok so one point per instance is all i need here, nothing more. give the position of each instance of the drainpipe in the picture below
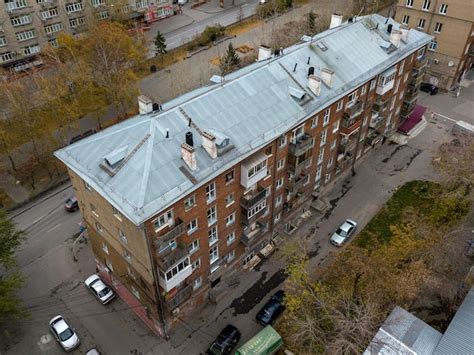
(160, 306)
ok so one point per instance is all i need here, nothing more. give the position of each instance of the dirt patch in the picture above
(244, 49)
(215, 61)
(243, 27)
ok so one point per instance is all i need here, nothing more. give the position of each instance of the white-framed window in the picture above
(314, 121)
(102, 15)
(297, 132)
(56, 27)
(282, 141)
(306, 180)
(256, 169)
(257, 208)
(229, 177)
(326, 117)
(333, 144)
(351, 98)
(16, 4)
(229, 199)
(324, 135)
(401, 67)
(169, 245)
(421, 23)
(3, 42)
(194, 246)
(327, 177)
(98, 227)
(432, 46)
(405, 78)
(105, 248)
(127, 256)
(372, 84)
(211, 192)
(318, 174)
(230, 238)
(363, 90)
(53, 42)
(31, 49)
(409, 3)
(196, 264)
(192, 226)
(5, 57)
(405, 19)
(281, 164)
(443, 9)
(230, 219)
(426, 5)
(278, 200)
(50, 13)
(211, 215)
(340, 105)
(163, 220)
(277, 217)
(335, 126)
(190, 202)
(25, 35)
(20, 20)
(279, 183)
(213, 236)
(230, 256)
(197, 283)
(248, 257)
(176, 269)
(135, 292)
(96, 3)
(438, 27)
(116, 213)
(268, 191)
(78, 21)
(123, 237)
(321, 156)
(213, 254)
(330, 162)
(74, 7)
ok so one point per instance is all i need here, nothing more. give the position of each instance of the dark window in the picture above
(229, 176)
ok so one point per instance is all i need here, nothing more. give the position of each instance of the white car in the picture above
(343, 233)
(64, 334)
(99, 289)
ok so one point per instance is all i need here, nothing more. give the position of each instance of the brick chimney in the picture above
(209, 144)
(336, 20)
(314, 84)
(326, 77)
(395, 37)
(404, 30)
(145, 105)
(189, 156)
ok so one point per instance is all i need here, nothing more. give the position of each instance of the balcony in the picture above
(349, 126)
(176, 231)
(166, 259)
(16, 5)
(174, 299)
(415, 81)
(301, 145)
(353, 110)
(253, 170)
(245, 219)
(251, 236)
(343, 161)
(296, 183)
(373, 137)
(408, 108)
(252, 198)
(376, 121)
(297, 167)
(420, 63)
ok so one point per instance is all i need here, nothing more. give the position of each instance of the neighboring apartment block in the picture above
(174, 199)
(26, 26)
(451, 22)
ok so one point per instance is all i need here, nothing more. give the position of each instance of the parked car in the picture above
(272, 309)
(343, 233)
(99, 289)
(71, 204)
(225, 341)
(64, 334)
(430, 88)
(93, 351)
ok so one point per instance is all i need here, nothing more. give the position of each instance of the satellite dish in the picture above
(450, 63)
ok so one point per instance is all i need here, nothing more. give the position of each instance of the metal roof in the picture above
(459, 337)
(252, 107)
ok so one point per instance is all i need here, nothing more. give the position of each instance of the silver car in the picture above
(63, 333)
(99, 289)
(343, 233)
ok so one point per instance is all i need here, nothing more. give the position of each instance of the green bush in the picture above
(211, 34)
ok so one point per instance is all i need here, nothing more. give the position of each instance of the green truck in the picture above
(267, 342)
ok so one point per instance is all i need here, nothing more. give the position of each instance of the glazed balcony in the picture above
(174, 299)
(245, 219)
(298, 166)
(254, 197)
(353, 110)
(167, 258)
(249, 236)
(349, 126)
(301, 145)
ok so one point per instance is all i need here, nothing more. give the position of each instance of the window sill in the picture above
(210, 201)
(189, 208)
(192, 231)
(229, 182)
(213, 242)
(230, 204)
(209, 224)
(231, 242)
(191, 252)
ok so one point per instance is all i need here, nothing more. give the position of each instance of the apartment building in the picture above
(175, 199)
(26, 26)
(451, 23)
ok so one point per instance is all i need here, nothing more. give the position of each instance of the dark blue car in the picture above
(272, 309)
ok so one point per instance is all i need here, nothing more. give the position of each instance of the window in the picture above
(340, 104)
(257, 208)
(56, 27)
(268, 191)
(306, 180)
(363, 90)
(318, 174)
(211, 215)
(405, 19)
(278, 200)
(213, 254)
(3, 42)
(192, 226)
(297, 132)
(402, 66)
(268, 151)
(105, 248)
(372, 84)
(74, 7)
(25, 35)
(197, 283)
(432, 46)
(75, 22)
(438, 27)
(426, 5)
(163, 220)
(409, 3)
(31, 49)
(212, 234)
(327, 178)
(282, 141)
(421, 23)
(324, 135)
(366, 118)
(279, 183)
(321, 156)
(230, 238)
(443, 9)
(248, 258)
(99, 227)
(229, 200)
(280, 164)
(5, 57)
(314, 121)
(277, 217)
(211, 192)
(16, 4)
(196, 264)
(230, 219)
(256, 169)
(176, 269)
(230, 256)
(229, 177)
(102, 15)
(405, 78)
(109, 265)
(327, 115)
(96, 3)
(116, 213)
(194, 246)
(49, 13)
(330, 162)
(335, 126)
(351, 98)
(122, 236)
(127, 256)
(333, 144)
(20, 20)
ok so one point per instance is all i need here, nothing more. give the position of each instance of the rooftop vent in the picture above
(222, 142)
(296, 93)
(145, 105)
(321, 45)
(336, 20)
(189, 139)
(395, 38)
(116, 156)
(310, 71)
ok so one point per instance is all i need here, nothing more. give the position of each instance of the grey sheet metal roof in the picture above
(403, 333)
(459, 337)
(252, 107)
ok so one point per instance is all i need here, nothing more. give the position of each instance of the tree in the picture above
(10, 240)
(160, 45)
(229, 61)
(311, 24)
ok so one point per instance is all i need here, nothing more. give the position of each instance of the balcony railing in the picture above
(166, 259)
(248, 220)
(354, 110)
(301, 145)
(251, 236)
(297, 169)
(296, 183)
(349, 126)
(180, 297)
(376, 122)
(251, 199)
(176, 231)
(347, 145)
(373, 137)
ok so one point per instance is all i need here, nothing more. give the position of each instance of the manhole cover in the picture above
(45, 339)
